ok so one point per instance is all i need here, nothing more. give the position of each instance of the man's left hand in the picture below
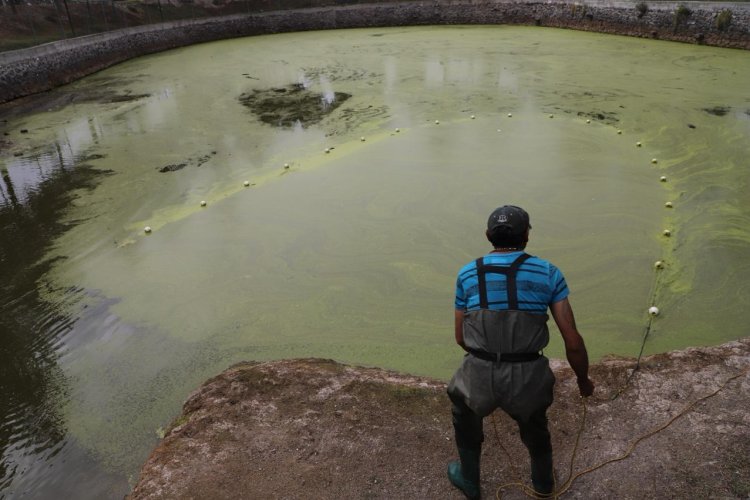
(586, 387)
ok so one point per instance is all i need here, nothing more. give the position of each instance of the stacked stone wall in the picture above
(37, 69)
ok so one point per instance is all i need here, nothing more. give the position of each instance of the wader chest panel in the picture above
(519, 388)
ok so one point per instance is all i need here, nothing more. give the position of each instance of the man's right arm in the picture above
(458, 323)
(575, 348)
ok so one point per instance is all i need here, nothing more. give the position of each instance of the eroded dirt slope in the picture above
(311, 428)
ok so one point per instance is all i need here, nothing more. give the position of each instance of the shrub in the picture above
(641, 8)
(723, 20)
(682, 12)
(578, 9)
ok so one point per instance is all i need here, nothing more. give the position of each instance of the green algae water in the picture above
(359, 211)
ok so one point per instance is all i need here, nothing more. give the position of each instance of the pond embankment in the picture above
(37, 69)
(316, 428)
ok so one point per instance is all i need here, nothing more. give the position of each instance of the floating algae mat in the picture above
(347, 176)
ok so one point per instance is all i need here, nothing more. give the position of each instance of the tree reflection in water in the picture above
(33, 388)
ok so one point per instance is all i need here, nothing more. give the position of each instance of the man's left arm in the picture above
(575, 348)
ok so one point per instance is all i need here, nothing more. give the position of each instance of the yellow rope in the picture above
(557, 492)
(499, 441)
(571, 478)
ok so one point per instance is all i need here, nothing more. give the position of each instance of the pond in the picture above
(347, 176)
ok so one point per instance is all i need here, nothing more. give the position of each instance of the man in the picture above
(501, 322)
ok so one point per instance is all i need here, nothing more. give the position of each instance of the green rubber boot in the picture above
(542, 476)
(464, 474)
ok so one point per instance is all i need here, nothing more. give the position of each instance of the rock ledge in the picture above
(312, 428)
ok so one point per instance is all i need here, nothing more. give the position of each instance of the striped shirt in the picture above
(539, 284)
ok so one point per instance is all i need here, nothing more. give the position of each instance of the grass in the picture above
(21, 42)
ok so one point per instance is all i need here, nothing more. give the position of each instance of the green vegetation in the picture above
(682, 12)
(177, 422)
(21, 41)
(578, 9)
(723, 20)
(641, 8)
(739, 468)
(681, 15)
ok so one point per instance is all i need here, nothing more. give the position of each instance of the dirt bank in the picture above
(311, 428)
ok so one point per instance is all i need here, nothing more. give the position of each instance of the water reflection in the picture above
(33, 389)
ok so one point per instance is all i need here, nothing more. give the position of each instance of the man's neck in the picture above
(506, 249)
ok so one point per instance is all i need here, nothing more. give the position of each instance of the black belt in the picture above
(506, 357)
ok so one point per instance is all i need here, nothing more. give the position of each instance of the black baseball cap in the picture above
(509, 216)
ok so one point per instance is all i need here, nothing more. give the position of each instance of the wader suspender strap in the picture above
(510, 276)
(510, 273)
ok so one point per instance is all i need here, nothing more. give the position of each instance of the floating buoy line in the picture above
(653, 310)
(666, 232)
(653, 313)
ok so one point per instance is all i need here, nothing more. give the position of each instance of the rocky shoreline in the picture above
(312, 428)
(28, 71)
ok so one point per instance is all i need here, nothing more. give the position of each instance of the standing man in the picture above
(501, 323)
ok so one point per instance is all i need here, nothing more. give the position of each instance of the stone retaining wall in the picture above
(37, 69)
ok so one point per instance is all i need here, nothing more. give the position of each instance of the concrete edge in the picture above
(37, 69)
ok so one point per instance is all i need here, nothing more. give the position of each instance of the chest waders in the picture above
(503, 367)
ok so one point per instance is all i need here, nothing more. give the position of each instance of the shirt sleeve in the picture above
(460, 295)
(557, 284)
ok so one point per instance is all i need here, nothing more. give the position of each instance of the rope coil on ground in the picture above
(530, 492)
(584, 411)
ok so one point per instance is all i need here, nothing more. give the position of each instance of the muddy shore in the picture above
(312, 428)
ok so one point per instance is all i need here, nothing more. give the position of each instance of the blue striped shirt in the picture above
(539, 284)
